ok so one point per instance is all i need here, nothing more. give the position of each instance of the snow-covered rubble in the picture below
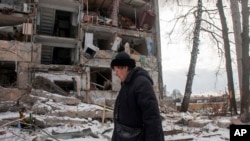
(58, 117)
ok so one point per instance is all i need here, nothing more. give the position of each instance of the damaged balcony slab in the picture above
(109, 29)
(56, 41)
(103, 58)
(104, 54)
(47, 68)
(107, 3)
(12, 19)
(66, 5)
(105, 63)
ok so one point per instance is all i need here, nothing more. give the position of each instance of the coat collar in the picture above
(135, 72)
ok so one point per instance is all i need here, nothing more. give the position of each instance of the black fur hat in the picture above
(123, 59)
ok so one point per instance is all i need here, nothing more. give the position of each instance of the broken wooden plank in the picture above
(103, 114)
(68, 135)
(184, 139)
(76, 134)
(172, 132)
(180, 138)
(210, 135)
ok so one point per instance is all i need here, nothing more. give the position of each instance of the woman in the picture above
(136, 112)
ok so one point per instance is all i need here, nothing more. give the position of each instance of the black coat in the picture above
(136, 105)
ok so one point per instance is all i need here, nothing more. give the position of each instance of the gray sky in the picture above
(176, 58)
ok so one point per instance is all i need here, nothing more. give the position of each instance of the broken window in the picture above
(100, 41)
(8, 74)
(97, 12)
(100, 79)
(55, 22)
(67, 86)
(11, 33)
(63, 26)
(56, 55)
(138, 46)
(128, 14)
(61, 56)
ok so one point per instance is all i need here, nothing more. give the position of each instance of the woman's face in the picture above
(121, 72)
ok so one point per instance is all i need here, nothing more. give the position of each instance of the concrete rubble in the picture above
(50, 109)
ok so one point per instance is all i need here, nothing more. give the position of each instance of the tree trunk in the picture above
(244, 115)
(194, 54)
(230, 80)
(237, 37)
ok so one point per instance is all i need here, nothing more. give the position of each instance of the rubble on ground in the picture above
(47, 110)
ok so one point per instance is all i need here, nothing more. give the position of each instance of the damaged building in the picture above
(66, 46)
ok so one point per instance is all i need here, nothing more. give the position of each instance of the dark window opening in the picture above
(139, 16)
(66, 85)
(7, 74)
(100, 40)
(9, 33)
(63, 24)
(100, 79)
(103, 44)
(56, 55)
(46, 55)
(104, 12)
(137, 45)
(98, 12)
(61, 56)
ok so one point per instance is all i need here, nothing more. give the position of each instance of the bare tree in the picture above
(228, 57)
(234, 4)
(244, 115)
(194, 55)
(212, 29)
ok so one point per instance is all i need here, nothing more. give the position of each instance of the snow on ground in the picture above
(209, 132)
(189, 126)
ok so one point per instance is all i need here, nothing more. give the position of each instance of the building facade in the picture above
(66, 46)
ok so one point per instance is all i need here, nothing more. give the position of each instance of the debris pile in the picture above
(41, 115)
